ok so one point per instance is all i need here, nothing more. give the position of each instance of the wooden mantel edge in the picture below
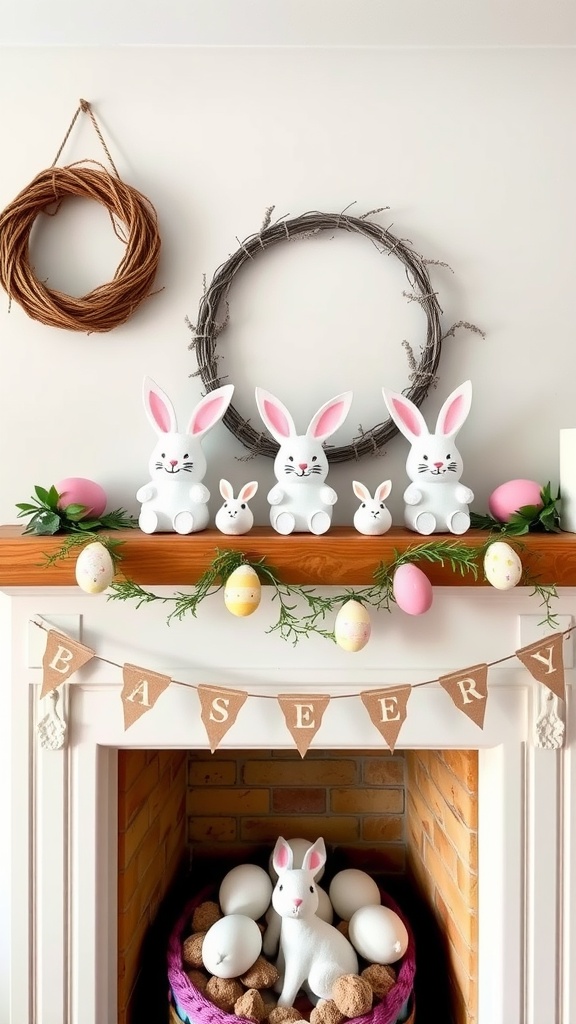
(341, 557)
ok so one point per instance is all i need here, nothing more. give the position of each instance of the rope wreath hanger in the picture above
(208, 328)
(134, 222)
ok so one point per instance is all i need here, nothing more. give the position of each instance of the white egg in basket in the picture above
(246, 889)
(231, 946)
(351, 889)
(378, 934)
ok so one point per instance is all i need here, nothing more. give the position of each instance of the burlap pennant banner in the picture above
(544, 659)
(220, 709)
(140, 691)
(469, 691)
(387, 710)
(303, 713)
(62, 657)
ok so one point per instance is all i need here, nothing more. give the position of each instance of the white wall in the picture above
(470, 148)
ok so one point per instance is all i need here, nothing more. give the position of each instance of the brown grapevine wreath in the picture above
(134, 222)
(208, 327)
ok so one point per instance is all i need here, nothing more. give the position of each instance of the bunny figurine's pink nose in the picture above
(302, 465)
(297, 903)
(173, 462)
(438, 465)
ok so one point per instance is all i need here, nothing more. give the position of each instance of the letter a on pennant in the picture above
(303, 715)
(140, 691)
(469, 691)
(544, 659)
(62, 657)
(220, 709)
(387, 710)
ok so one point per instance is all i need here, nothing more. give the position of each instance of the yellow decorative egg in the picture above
(242, 591)
(94, 568)
(502, 566)
(352, 626)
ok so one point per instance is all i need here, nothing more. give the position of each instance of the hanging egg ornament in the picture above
(502, 566)
(242, 591)
(352, 627)
(94, 568)
(412, 589)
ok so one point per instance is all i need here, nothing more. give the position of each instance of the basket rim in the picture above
(202, 1011)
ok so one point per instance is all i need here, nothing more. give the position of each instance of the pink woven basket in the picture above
(192, 1004)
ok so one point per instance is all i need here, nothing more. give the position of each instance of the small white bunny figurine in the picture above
(436, 501)
(372, 518)
(301, 501)
(175, 500)
(313, 954)
(234, 517)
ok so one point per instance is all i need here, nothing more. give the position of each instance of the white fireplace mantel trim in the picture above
(64, 836)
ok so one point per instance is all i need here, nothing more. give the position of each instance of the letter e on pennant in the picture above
(303, 713)
(387, 710)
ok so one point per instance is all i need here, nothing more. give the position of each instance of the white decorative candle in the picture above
(568, 480)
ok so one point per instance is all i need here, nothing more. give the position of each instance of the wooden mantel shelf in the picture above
(340, 557)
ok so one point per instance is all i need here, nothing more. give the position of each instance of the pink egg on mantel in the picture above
(510, 496)
(76, 490)
(412, 589)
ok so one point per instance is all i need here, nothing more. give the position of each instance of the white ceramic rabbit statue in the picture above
(234, 517)
(313, 954)
(435, 501)
(175, 500)
(301, 501)
(372, 518)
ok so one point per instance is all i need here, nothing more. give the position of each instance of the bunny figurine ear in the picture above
(329, 417)
(275, 415)
(383, 490)
(283, 856)
(226, 490)
(361, 492)
(455, 410)
(405, 414)
(210, 409)
(315, 857)
(159, 408)
(248, 491)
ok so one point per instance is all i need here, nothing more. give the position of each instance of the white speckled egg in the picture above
(242, 591)
(351, 889)
(231, 946)
(94, 568)
(502, 566)
(352, 627)
(246, 889)
(378, 934)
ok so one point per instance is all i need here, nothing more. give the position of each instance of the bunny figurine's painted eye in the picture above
(242, 505)
(162, 455)
(280, 887)
(363, 505)
(448, 456)
(186, 456)
(425, 457)
(290, 458)
(314, 458)
(311, 888)
(382, 505)
(225, 504)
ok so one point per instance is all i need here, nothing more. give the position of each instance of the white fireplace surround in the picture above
(58, 886)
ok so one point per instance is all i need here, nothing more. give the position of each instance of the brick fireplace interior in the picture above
(409, 819)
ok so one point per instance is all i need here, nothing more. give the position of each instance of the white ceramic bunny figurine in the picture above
(175, 500)
(435, 501)
(301, 501)
(313, 954)
(372, 518)
(234, 517)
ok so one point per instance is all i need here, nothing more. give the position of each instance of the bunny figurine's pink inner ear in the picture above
(383, 490)
(455, 410)
(315, 856)
(160, 413)
(248, 491)
(360, 490)
(407, 414)
(276, 417)
(330, 417)
(282, 857)
(210, 409)
(158, 407)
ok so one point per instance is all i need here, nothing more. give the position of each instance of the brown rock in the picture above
(326, 1012)
(250, 1005)
(380, 977)
(205, 916)
(197, 978)
(352, 995)
(192, 950)
(262, 974)
(280, 1014)
(224, 992)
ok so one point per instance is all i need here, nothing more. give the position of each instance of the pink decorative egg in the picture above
(509, 497)
(412, 589)
(75, 490)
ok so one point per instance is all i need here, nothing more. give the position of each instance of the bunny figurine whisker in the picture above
(301, 501)
(435, 501)
(175, 500)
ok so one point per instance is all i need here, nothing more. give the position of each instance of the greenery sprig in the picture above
(527, 519)
(301, 610)
(47, 517)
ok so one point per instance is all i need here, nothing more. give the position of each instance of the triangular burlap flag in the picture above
(220, 709)
(544, 659)
(387, 710)
(303, 713)
(140, 691)
(62, 657)
(469, 691)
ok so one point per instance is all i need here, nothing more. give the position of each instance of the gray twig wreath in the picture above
(208, 328)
